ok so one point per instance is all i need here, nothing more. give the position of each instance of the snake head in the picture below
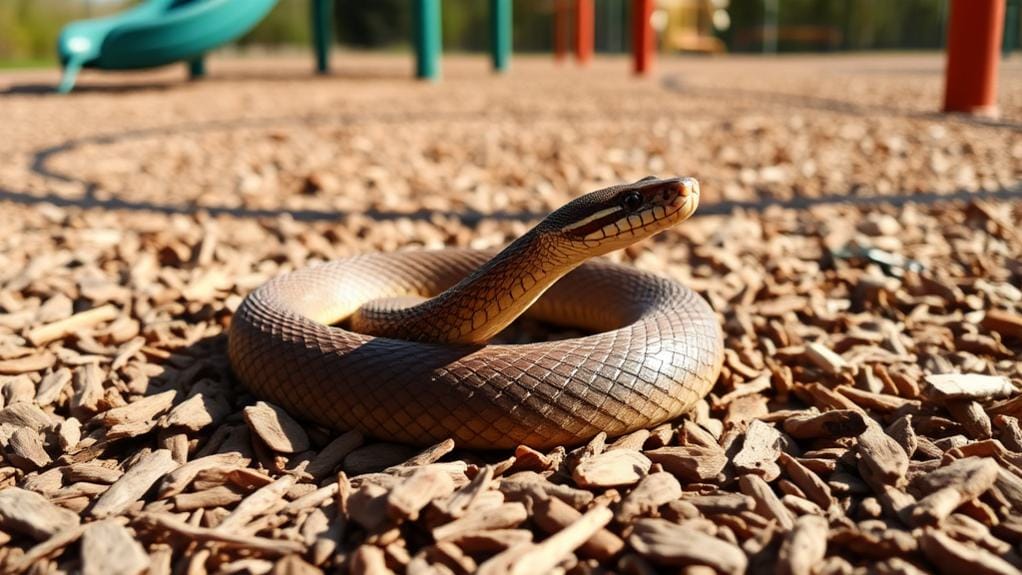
(613, 218)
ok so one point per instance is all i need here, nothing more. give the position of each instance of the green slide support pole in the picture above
(197, 68)
(770, 8)
(67, 79)
(322, 31)
(500, 34)
(427, 39)
(1011, 26)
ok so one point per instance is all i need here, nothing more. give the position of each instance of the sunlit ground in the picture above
(171, 200)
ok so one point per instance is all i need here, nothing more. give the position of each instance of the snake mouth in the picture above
(668, 205)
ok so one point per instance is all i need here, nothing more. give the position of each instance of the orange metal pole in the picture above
(560, 30)
(583, 31)
(642, 36)
(974, 35)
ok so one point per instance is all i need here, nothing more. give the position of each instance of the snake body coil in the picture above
(657, 349)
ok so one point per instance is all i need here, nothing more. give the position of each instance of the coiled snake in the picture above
(418, 370)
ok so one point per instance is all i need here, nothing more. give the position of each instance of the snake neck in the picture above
(479, 306)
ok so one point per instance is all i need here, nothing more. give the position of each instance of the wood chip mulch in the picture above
(867, 418)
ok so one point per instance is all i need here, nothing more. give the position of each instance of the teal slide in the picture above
(155, 33)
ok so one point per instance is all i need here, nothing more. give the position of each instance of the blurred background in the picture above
(29, 28)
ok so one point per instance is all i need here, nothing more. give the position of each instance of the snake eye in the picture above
(632, 201)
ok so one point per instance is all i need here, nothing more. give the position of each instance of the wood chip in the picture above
(376, 457)
(733, 503)
(767, 503)
(147, 409)
(17, 389)
(654, 490)
(759, 452)
(815, 489)
(829, 424)
(826, 359)
(971, 385)
(971, 415)
(952, 485)
(882, 402)
(219, 496)
(491, 540)
(79, 321)
(45, 482)
(331, 456)
(32, 514)
(690, 463)
(88, 392)
(553, 515)
(825, 398)
(528, 484)
(616, 468)
(634, 440)
(25, 450)
(528, 459)
(1010, 432)
(293, 565)
(369, 560)
(1010, 486)
(199, 411)
(50, 546)
(1004, 322)
(883, 455)
(543, 557)
(411, 495)
(502, 517)
(950, 556)
(692, 433)
(259, 502)
(52, 386)
(192, 533)
(129, 489)
(109, 549)
(177, 480)
(467, 495)
(804, 547)
(667, 543)
(69, 434)
(276, 428)
(367, 506)
(451, 556)
(27, 364)
(313, 499)
(431, 454)
(26, 415)
(902, 432)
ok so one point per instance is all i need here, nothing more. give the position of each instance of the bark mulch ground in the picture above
(867, 418)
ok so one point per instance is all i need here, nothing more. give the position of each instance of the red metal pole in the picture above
(583, 31)
(560, 30)
(974, 35)
(642, 36)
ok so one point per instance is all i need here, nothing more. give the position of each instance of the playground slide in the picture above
(155, 33)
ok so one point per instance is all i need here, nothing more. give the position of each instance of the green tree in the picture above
(287, 23)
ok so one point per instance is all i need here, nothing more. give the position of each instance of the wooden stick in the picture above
(261, 544)
(59, 329)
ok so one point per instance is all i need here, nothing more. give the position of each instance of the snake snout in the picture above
(688, 187)
(686, 200)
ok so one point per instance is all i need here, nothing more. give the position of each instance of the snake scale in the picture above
(412, 363)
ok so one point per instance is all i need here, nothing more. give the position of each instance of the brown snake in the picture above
(426, 373)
